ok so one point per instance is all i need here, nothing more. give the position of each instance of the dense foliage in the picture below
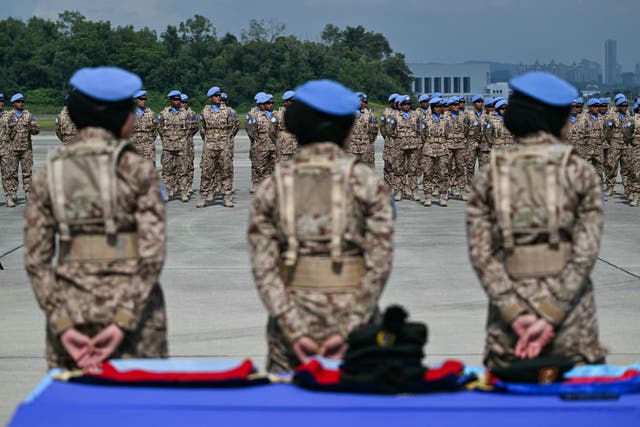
(38, 57)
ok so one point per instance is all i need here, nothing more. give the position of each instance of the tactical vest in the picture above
(313, 202)
(528, 188)
(83, 188)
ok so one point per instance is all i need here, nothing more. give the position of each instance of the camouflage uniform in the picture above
(607, 132)
(286, 143)
(7, 159)
(251, 117)
(575, 137)
(264, 147)
(361, 141)
(217, 130)
(497, 133)
(631, 155)
(477, 147)
(592, 150)
(25, 125)
(435, 158)
(65, 128)
(145, 132)
(614, 127)
(389, 152)
(90, 293)
(566, 299)
(368, 232)
(454, 134)
(192, 126)
(405, 161)
(174, 132)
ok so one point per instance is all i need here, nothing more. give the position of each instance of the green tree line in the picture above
(38, 56)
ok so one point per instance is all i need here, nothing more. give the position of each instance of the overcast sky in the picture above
(425, 31)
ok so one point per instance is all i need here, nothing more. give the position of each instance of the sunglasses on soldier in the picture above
(142, 98)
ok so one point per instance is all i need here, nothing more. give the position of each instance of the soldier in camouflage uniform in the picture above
(387, 120)
(65, 128)
(102, 298)
(219, 125)
(361, 141)
(497, 133)
(576, 124)
(405, 162)
(541, 299)
(592, 149)
(286, 143)
(477, 148)
(614, 128)
(174, 132)
(423, 104)
(7, 158)
(252, 117)
(631, 155)
(25, 125)
(263, 130)
(320, 266)
(454, 134)
(435, 154)
(224, 100)
(146, 128)
(192, 126)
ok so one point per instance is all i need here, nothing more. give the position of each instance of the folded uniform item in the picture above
(170, 373)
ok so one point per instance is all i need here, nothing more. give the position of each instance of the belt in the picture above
(100, 247)
(321, 274)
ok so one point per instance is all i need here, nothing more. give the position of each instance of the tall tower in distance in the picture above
(610, 62)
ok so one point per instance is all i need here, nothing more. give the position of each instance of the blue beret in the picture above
(173, 94)
(635, 106)
(264, 97)
(603, 101)
(184, 97)
(488, 101)
(213, 90)
(139, 93)
(454, 99)
(445, 101)
(461, 99)
(545, 87)
(436, 95)
(392, 97)
(618, 96)
(423, 97)
(257, 95)
(223, 95)
(402, 98)
(477, 98)
(435, 100)
(592, 101)
(501, 103)
(108, 84)
(579, 100)
(1, 95)
(16, 97)
(288, 95)
(363, 95)
(328, 97)
(621, 101)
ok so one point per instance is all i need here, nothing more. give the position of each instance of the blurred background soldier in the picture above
(102, 298)
(361, 141)
(252, 117)
(606, 115)
(435, 154)
(423, 104)
(499, 135)
(615, 126)
(477, 148)
(191, 126)
(535, 268)
(65, 128)
(593, 125)
(286, 143)
(217, 181)
(576, 125)
(320, 234)
(218, 126)
(145, 129)
(454, 134)
(173, 133)
(264, 129)
(25, 125)
(7, 158)
(386, 121)
(632, 152)
(407, 150)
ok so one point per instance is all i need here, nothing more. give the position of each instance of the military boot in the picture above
(427, 202)
(443, 201)
(184, 196)
(414, 196)
(253, 189)
(10, 202)
(210, 196)
(465, 196)
(202, 201)
(610, 191)
(634, 200)
(398, 196)
(228, 201)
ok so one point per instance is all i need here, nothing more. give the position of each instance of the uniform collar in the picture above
(328, 150)
(537, 139)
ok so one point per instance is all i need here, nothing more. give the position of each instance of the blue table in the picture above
(68, 405)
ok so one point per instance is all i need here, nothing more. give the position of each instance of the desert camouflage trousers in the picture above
(262, 165)
(11, 161)
(435, 174)
(7, 160)
(595, 156)
(404, 170)
(474, 153)
(174, 171)
(189, 158)
(146, 149)
(216, 171)
(626, 156)
(366, 155)
(149, 340)
(457, 168)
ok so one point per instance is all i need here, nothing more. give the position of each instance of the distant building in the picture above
(498, 89)
(583, 72)
(450, 79)
(610, 62)
(628, 79)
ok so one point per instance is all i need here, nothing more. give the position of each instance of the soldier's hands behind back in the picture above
(104, 344)
(522, 323)
(334, 347)
(77, 344)
(304, 347)
(531, 343)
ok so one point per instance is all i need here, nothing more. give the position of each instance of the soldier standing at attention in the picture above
(25, 125)
(173, 133)
(405, 132)
(145, 129)
(615, 126)
(65, 128)
(252, 117)
(361, 141)
(535, 268)
(435, 154)
(423, 104)
(477, 146)
(192, 126)
(593, 125)
(286, 143)
(386, 121)
(632, 152)
(218, 126)
(263, 128)
(320, 234)
(454, 134)
(6, 154)
(102, 299)
(216, 184)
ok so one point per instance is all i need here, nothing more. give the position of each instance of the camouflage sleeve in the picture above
(264, 251)
(373, 129)
(371, 192)
(58, 126)
(151, 227)
(34, 126)
(490, 271)
(156, 126)
(39, 250)
(585, 234)
(193, 124)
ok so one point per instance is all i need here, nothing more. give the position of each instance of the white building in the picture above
(450, 79)
(498, 89)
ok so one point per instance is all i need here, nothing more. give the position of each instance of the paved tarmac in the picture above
(214, 310)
